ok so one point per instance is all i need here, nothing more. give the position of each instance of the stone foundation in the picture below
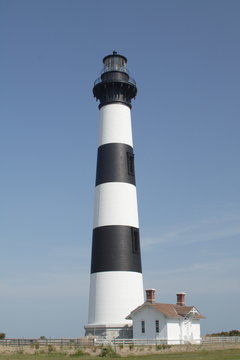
(109, 332)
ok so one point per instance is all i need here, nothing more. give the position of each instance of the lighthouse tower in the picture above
(116, 284)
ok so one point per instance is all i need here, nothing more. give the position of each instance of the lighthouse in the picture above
(116, 284)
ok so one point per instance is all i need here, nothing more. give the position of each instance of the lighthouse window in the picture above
(114, 63)
(135, 241)
(157, 326)
(130, 159)
(143, 326)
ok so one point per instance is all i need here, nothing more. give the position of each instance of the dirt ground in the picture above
(122, 351)
(147, 350)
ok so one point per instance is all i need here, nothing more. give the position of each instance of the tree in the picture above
(226, 333)
(2, 336)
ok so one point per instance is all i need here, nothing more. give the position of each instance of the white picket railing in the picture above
(87, 342)
(220, 339)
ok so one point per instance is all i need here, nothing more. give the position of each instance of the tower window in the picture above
(130, 160)
(135, 241)
(157, 326)
(143, 326)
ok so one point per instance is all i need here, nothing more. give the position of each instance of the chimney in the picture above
(150, 296)
(181, 298)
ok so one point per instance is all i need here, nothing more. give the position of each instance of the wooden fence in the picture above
(220, 339)
(86, 342)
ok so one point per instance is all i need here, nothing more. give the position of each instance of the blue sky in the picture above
(184, 56)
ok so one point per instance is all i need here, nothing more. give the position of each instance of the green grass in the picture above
(225, 354)
(229, 354)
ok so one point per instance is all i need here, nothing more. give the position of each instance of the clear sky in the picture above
(184, 56)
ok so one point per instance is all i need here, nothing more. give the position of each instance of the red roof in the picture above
(171, 310)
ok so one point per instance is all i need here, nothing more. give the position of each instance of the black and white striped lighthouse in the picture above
(116, 284)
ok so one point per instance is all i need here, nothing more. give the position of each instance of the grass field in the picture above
(224, 354)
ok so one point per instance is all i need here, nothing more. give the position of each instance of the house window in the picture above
(157, 326)
(130, 160)
(143, 326)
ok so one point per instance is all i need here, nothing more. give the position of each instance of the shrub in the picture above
(162, 347)
(2, 336)
(79, 352)
(226, 333)
(50, 348)
(107, 351)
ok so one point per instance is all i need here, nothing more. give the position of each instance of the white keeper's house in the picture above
(170, 323)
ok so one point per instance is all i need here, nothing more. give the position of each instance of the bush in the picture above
(107, 351)
(162, 347)
(226, 333)
(50, 348)
(79, 352)
(131, 346)
(2, 336)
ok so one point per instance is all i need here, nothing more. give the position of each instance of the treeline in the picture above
(226, 333)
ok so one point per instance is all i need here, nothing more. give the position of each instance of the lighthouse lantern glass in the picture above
(115, 63)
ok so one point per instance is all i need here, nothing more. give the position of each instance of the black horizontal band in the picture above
(116, 248)
(115, 163)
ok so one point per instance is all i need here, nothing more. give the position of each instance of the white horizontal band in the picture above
(115, 124)
(113, 295)
(115, 204)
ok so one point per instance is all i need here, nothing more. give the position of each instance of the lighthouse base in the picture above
(109, 332)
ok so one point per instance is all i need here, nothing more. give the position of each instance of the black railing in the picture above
(130, 80)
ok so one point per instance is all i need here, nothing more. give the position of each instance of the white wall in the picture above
(196, 331)
(149, 315)
(190, 330)
(173, 330)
